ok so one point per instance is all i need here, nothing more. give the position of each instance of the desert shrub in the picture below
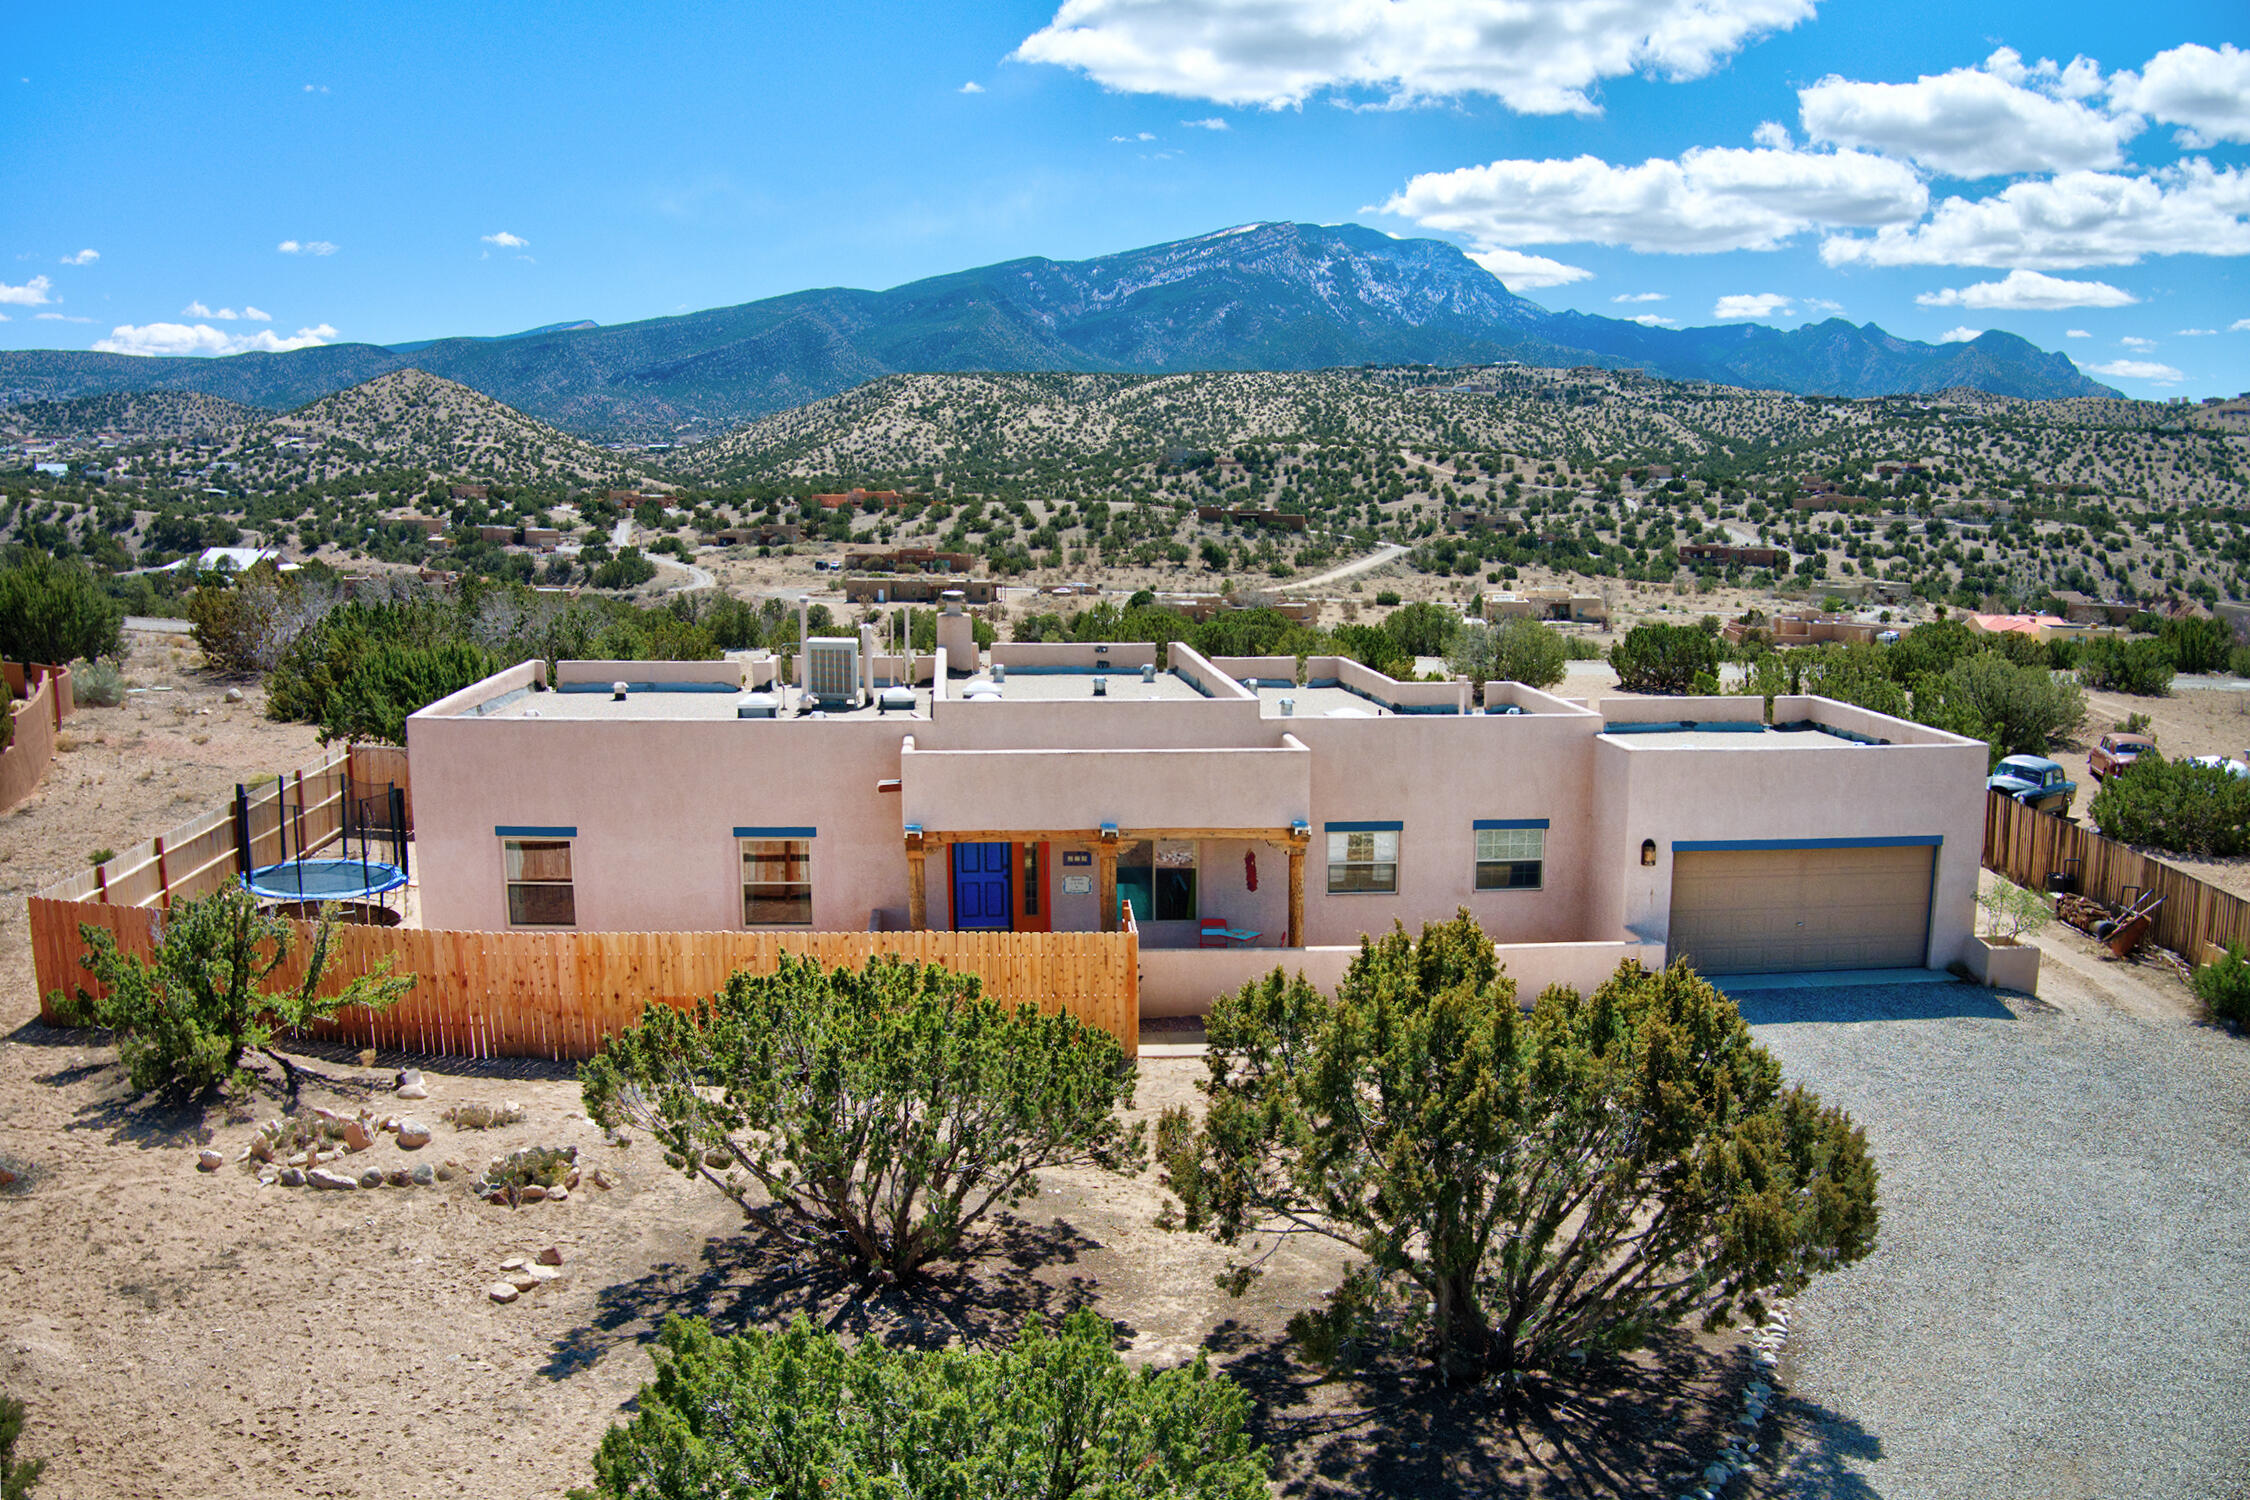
(2224, 985)
(1422, 628)
(248, 625)
(628, 569)
(2238, 662)
(18, 1475)
(2010, 911)
(2174, 806)
(475, 1116)
(393, 681)
(1578, 648)
(1522, 1187)
(2020, 710)
(1664, 658)
(1858, 674)
(765, 1089)
(1053, 1415)
(2197, 643)
(97, 684)
(52, 610)
(1373, 647)
(1518, 649)
(2141, 666)
(184, 1019)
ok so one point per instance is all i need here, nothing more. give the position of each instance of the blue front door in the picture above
(983, 895)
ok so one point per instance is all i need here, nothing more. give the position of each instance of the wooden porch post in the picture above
(917, 884)
(1105, 857)
(1296, 894)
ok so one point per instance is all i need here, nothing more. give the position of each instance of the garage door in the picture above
(1753, 911)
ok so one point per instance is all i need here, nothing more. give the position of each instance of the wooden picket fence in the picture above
(559, 994)
(2027, 846)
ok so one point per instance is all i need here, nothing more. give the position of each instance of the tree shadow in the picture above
(1872, 1002)
(754, 1279)
(1820, 1445)
(1645, 1425)
(149, 1122)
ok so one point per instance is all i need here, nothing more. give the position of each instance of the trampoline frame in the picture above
(381, 859)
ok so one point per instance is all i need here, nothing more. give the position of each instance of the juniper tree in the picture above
(1520, 1185)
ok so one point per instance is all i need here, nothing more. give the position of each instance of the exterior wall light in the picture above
(1648, 851)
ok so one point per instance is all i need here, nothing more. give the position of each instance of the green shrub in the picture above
(1579, 648)
(2238, 662)
(1524, 1189)
(2224, 985)
(2197, 643)
(1386, 598)
(97, 684)
(55, 611)
(391, 682)
(797, 1415)
(2141, 667)
(1519, 649)
(1422, 628)
(2018, 710)
(2174, 806)
(18, 1475)
(184, 1020)
(775, 1078)
(2010, 911)
(1664, 658)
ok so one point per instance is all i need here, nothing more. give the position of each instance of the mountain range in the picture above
(1257, 297)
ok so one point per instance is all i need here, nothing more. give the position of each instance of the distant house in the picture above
(889, 499)
(911, 560)
(1274, 520)
(909, 588)
(1749, 557)
(501, 535)
(1551, 603)
(763, 534)
(472, 491)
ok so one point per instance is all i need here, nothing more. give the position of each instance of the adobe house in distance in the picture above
(1241, 813)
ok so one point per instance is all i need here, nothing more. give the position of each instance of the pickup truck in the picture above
(2036, 782)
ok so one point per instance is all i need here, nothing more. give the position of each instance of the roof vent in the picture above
(1288, 708)
(618, 690)
(757, 706)
(1101, 687)
(999, 671)
(1148, 671)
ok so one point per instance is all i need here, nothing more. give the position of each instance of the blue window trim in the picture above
(776, 833)
(1899, 841)
(1510, 823)
(1365, 827)
(534, 831)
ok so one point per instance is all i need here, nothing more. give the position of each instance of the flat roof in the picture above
(656, 704)
(1319, 703)
(1121, 685)
(1749, 735)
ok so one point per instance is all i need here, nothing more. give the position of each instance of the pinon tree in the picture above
(1523, 1186)
(798, 1415)
(873, 1116)
(185, 1019)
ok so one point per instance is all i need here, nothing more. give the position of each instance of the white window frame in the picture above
(511, 846)
(1507, 849)
(1339, 859)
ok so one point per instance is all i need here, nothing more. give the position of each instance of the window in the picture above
(1362, 861)
(1031, 881)
(1159, 879)
(1511, 858)
(539, 888)
(777, 882)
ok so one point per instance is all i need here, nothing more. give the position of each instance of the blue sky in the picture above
(2074, 173)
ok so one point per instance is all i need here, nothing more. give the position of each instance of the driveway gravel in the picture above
(2059, 1304)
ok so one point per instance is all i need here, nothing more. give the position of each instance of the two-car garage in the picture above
(1782, 906)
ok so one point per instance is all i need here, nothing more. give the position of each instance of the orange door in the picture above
(1033, 914)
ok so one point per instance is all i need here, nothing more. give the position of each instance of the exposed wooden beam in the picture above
(1296, 895)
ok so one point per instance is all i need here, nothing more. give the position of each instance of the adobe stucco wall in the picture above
(1184, 982)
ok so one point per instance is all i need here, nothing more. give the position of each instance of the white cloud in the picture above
(203, 339)
(32, 293)
(198, 310)
(1535, 58)
(1520, 270)
(2029, 291)
(1654, 320)
(306, 247)
(1711, 198)
(2131, 342)
(3, 318)
(1822, 305)
(1639, 297)
(1773, 135)
(506, 241)
(1752, 305)
(316, 88)
(82, 258)
(55, 317)
(2069, 221)
(1959, 335)
(2076, 333)
(1130, 139)
(971, 87)
(2136, 369)
(1986, 121)
(2206, 91)
(1211, 123)
(2239, 325)
(255, 315)
(2195, 333)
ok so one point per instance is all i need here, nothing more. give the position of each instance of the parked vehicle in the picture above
(2035, 781)
(2235, 768)
(2116, 752)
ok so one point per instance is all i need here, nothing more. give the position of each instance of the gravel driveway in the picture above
(2060, 1301)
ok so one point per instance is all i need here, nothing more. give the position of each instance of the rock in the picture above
(414, 1091)
(551, 1256)
(292, 1177)
(557, 1194)
(7, 1178)
(398, 1177)
(234, 695)
(515, 1263)
(321, 1177)
(528, 1277)
(447, 1172)
(413, 1135)
(572, 1180)
(367, 1057)
(209, 1161)
(502, 1291)
(531, 1192)
(372, 1177)
(603, 1180)
(301, 1159)
(357, 1137)
(261, 1147)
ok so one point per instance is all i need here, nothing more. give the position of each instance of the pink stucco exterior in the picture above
(652, 790)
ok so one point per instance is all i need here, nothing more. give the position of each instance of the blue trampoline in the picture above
(322, 839)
